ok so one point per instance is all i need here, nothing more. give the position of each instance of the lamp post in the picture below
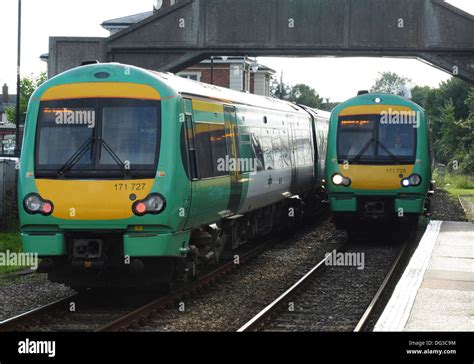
(212, 70)
(18, 89)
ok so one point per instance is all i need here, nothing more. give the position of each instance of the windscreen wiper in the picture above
(76, 157)
(361, 153)
(115, 157)
(393, 156)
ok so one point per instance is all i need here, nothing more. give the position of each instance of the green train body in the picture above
(131, 177)
(379, 161)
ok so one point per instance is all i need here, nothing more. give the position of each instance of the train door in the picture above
(232, 141)
(192, 160)
(292, 137)
(206, 127)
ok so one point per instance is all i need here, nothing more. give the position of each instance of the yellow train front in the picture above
(379, 160)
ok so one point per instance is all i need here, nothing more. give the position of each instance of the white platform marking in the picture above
(398, 309)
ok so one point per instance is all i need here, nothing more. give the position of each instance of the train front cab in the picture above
(98, 199)
(379, 160)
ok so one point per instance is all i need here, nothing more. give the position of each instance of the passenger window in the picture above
(204, 152)
(257, 150)
(219, 149)
(267, 149)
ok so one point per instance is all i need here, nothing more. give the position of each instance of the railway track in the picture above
(147, 312)
(336, 297)
(79, 312)
(93, 311)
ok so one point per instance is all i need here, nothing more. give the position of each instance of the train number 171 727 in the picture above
(130, 186)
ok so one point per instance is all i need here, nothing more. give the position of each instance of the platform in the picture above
(436, 291)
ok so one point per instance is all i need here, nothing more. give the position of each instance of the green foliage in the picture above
(453, 182)
(305, 95)
(389, 82)
(11, 242)
(280, 90)
(470, 103)
(28, 85)
(328, 105)
(450, 109)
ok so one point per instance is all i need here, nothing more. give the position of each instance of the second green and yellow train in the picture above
(379, 160)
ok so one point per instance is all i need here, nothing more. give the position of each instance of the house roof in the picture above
(238, 59)
(126, 21)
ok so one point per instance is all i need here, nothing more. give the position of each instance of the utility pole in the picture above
(18, 88)
(281, 86)
(212, 70)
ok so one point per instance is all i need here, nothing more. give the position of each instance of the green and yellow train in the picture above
(379, 161)
(131, 177)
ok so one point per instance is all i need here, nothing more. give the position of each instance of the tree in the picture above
(470, 103)
(457, 90)
(389, 82)
(328, 105)
(455, 139)
(280, 90)
(28, 85)
(421, 95)
(305, 95)
(450, 108)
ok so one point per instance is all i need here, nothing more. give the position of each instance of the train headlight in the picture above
(412, 181)
(34, 204)
(415, 179)
(340, 180)
(337, 179)
(154, 204)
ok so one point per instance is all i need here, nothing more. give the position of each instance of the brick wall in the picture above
(221, 73)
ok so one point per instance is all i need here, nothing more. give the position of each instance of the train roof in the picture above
(185, 86)
(182, 86)
(369, 99)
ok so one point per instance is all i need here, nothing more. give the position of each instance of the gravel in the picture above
(446, 207)
(19, 294)
(231, 303)
(337, 297)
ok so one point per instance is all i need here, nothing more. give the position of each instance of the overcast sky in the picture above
(336, 78)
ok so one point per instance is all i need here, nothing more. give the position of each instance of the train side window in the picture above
(299, 148)
(277, 150)
(257, 149)
(219, 149)
(267, 147)
(191, 146)
(285, 144)
(308, 150)
(204, 151)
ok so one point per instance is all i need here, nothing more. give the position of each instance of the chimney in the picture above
(163, 4)
(5, 97)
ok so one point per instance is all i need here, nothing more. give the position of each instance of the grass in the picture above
(11, 242)
(455, 184)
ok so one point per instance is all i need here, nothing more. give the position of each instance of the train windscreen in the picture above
(98, 138)
(366, 139)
